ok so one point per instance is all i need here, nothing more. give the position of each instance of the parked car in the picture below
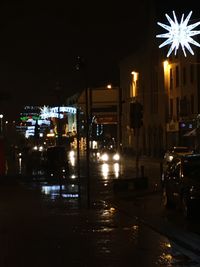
(181, 186)
(171, 154)
(177, 151)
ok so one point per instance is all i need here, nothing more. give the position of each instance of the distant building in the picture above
(30, 119)
(48, 122)
(103, 111)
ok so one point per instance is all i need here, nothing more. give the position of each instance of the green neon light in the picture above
(25, 118)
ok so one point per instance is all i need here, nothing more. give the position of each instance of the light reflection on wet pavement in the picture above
(110, 238)
(51, 228)
(38, 230)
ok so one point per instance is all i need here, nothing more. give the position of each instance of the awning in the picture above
(191, 133)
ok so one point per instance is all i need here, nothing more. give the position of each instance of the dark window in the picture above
(184, 106)
(192, 104)
(177, 106)
(191, 73)
(177, 76)
(154, 92)
(171, 108)
(171, 80)
(184, 76)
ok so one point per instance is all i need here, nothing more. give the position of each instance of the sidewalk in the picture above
(149, 177)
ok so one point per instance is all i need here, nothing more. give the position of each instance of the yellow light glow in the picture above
(134, 84)
(112, 210)
(50, 135)
(165, 64)
(109, 86)
(166, 68)
(168, 245)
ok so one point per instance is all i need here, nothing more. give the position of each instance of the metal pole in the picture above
(1, 122)
(78, 153)
(87, 146)
(119, 113)
(58, 93)
(137, 152)
(81, 65)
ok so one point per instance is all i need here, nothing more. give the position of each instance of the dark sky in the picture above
(40, 42)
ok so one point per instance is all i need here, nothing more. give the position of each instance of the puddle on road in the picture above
(64, 191)
(60, 198)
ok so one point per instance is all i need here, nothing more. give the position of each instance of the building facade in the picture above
(168, 89)
(101, 106)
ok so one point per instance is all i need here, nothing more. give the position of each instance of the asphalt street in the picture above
(44, 225)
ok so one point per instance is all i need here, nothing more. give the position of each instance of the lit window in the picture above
(134, 84)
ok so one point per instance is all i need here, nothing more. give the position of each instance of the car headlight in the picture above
(116, 156)
(41, 148)
(104, 157)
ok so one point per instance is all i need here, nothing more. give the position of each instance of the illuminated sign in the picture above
(179, 34)
(56, 112)
(32, 121)
(106, 119)
(26, 118)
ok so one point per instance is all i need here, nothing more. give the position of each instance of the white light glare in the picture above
(179, 34)
(105, 157)
(116, 156)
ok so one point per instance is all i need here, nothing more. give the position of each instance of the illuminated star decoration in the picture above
(179, 34)
(44, 112)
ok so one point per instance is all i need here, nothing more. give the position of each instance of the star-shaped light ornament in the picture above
(44, 112)
(179, 34)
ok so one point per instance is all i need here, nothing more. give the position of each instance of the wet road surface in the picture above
(42, 227)
(45, 224)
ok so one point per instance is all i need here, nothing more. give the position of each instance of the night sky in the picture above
(41, 40)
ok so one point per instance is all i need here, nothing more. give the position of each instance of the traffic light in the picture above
(136, 115)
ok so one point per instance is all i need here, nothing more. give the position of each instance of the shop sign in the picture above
(173, 127)
(106, 119)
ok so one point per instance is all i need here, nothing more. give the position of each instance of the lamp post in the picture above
(1, 124)
(81, 66)
(119, 120)
(59, 94)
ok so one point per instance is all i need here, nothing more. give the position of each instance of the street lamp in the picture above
(1, 123)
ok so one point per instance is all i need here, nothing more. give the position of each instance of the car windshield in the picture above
(191, 168)
(108, 150)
